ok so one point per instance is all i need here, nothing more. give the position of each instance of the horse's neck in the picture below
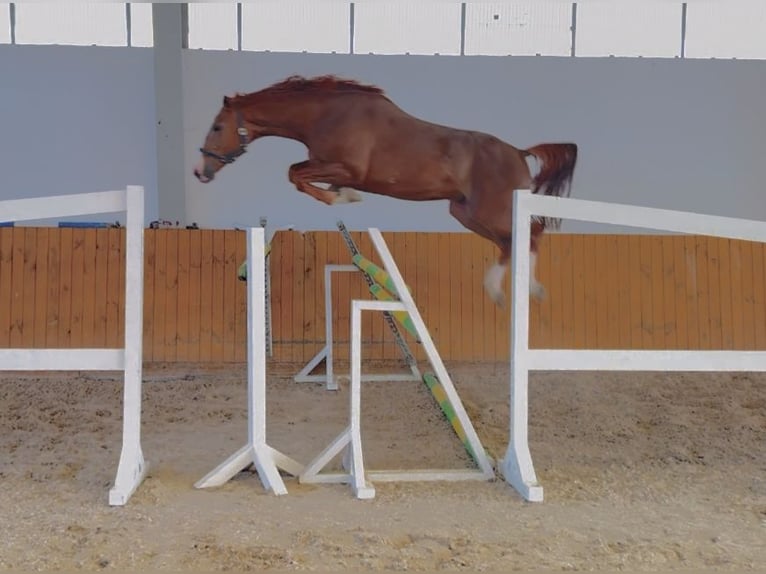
(288, 116)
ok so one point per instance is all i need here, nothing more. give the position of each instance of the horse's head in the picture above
(226, 141)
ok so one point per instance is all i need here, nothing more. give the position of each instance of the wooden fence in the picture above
(63, 288)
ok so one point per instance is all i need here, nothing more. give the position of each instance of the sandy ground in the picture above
(642, 473)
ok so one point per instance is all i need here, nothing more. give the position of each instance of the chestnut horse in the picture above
(359, 140)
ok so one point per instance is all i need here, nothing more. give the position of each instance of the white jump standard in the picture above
(517, 465)
(256, 452)
(132, 466)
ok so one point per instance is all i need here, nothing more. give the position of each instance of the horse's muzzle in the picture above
(201, 176)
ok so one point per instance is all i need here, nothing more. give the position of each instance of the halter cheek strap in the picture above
(242, 133)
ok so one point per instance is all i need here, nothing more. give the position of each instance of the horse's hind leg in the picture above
(493, 279)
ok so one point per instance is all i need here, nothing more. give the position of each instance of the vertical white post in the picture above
(132, 467)
(332, 384)
(517, 465)
(256, 337)
(358, 476)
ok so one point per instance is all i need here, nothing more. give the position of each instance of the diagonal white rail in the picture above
(517, 467)
(132, 467)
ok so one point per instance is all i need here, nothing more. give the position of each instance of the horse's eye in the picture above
(216, 128)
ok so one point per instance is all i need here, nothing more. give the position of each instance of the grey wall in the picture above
(677, 134)
(76, 120)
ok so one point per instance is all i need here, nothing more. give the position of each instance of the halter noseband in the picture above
(232, 155)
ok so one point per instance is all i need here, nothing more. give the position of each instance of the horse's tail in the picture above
(557, 163)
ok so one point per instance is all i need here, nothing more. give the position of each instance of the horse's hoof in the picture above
(498, 297)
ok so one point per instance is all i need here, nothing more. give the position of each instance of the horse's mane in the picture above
(317, 84)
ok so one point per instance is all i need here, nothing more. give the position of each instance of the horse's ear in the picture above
(226, 101)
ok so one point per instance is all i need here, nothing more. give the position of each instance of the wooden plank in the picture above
(150, 260)
(636, 301)
(693, 278)
(171, 295)
(288, 276)
(229, 280)
(458, 344)
(183, 302)
(277, 293)
(659, 325)
(122, 234)
(217, 327)
(680, 269)
(602, 273)
(591, 279)
(535, 305)
(195, 295)
(310, 302)
(566, 268)
(556, 291)
(428, 246)
(669, 312)
(484, 344)
(703, 249)
(64, 337)
(160, 289)
(240, 302)
(299, 295)
(41, 289)
(546, 277)
(28, 312)
(465, 288)
(714, 292)
(6, 274)
(624, 292)
(17, 288)
(78, 288)
(729, 338)
(742, 257)
(115, 263)
(759, 295)
(206, 296)
(491, 314)
(88, 294)
(582, 281)
(648, 328)
(445, 295)
(52, 289)
(614, 313)
(735, 298)
(100, 287)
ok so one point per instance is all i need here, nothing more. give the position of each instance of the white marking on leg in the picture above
(347, 195)
(493, 282)
(536, 289)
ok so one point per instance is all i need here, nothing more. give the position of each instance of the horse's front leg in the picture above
(306, 174)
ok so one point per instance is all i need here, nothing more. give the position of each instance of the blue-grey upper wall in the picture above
(678, 134)
(76, 120)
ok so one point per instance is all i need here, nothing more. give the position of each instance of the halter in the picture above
(232, 155)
